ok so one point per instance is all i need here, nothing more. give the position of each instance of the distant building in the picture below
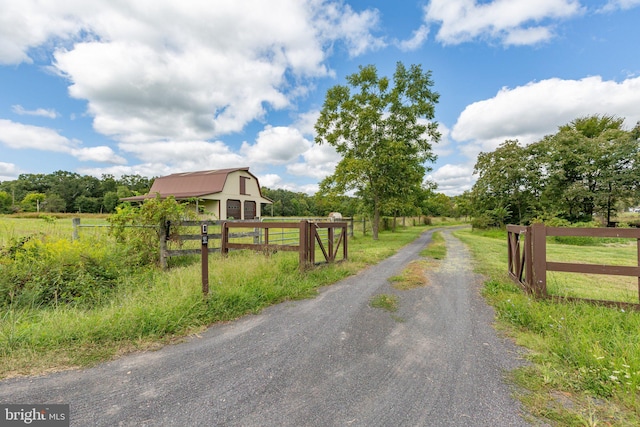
(224, 193)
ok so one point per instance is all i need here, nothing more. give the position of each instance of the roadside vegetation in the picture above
(413, 276)
(385, 302)
(76, 303)
(585, 359)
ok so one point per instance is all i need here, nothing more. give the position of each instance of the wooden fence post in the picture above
(528, 257)
(303, 244)
(539, 242)
(204, 257)
(638, 252)
(164, 235)
(76, 226)
(224, 238)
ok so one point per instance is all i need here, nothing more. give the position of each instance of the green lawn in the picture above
(584, 359)
(149, 307)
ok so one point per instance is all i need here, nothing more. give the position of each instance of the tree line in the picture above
(589, 168)
(70, 192)
(382, 127)
(63, 191)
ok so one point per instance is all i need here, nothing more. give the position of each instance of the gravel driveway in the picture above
(328, 361)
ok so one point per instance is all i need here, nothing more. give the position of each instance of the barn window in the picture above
(243, 185)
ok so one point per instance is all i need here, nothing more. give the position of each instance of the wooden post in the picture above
(528, 257)
(638, 245)
(224, 238)
(164, 235)
(539, 241)
(204, 255)
(312, 229)
(76, 226)
(303, 244)
(332, 257)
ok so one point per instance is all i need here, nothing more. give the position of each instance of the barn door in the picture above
(233, 209)
(249, 209)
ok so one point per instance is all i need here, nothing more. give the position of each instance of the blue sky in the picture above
(153, 87)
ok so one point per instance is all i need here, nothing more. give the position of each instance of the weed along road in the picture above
(334, 360)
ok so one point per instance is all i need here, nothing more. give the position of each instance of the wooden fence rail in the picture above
(299, 237)
(528, 265)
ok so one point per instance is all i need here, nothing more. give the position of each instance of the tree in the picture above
(508, 181)
(54, 203)
(438, 204)
(136, 183)
(588, 167)
(110, 201)
(384, 135)
(591, 163)
(149, 223)
(32, 202)
(5, 202)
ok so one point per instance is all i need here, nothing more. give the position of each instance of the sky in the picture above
(154, 87)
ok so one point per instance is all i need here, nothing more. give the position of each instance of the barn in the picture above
(224, 193)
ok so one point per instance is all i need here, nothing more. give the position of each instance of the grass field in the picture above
(585, 359)
(149, 307)
(594, 286)
(584, 365)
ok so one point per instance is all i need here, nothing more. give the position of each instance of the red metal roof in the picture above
(189, 184)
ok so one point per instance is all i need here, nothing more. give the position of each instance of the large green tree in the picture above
(588, 167)
(5, 202)
(508, 182)
(590, 163)
(383, 130)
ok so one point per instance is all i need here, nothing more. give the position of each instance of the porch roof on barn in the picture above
(186, 185)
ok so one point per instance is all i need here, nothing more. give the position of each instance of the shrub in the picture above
(480, 222)
(34, 272)
(138, 229)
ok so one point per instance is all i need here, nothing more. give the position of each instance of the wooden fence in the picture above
(528, 265)
(302, 237)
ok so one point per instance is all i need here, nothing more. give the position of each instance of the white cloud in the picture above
(9, 171)
(613, 5)
(98, 154)
(143, 169)
(20, 136)
(306, 122)
(339, 21)
(418, 38)
(529, 112)
(168, 70)
(19, 109)
(511, 22)
(27, 24)
(185, 155)
(270, 180)
(319, 162)
(453, 179)
(443, 147)
(276, 145)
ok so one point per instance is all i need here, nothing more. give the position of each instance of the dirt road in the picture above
(328, 361)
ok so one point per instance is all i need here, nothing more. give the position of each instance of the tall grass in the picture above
(150, 307)
(585, 366)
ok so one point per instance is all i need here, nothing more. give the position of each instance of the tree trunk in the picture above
(376, 219)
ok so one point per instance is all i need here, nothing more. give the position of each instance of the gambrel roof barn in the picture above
(223, 193)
